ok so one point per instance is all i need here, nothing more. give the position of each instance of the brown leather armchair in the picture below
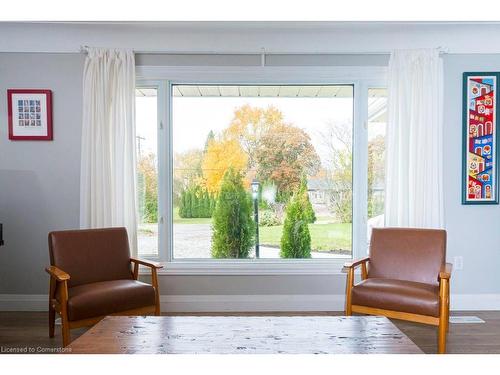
(405, 277)
(91, 277)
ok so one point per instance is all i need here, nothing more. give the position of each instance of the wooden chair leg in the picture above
(442, 338)
(63, 290)
(443, 316)
(65, 331)
(348, 292)
(154, 279)
(448, 310)
(52, 320)
(52, 312)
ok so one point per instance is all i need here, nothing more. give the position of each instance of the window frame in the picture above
(163, 78)
(366, 128)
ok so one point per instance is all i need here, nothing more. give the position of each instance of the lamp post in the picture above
(255, 196)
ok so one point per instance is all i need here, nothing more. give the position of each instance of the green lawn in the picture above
(324, 237)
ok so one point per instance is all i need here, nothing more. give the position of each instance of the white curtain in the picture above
(107, 184)
(414, 149)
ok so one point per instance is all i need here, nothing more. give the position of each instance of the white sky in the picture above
(146, 122)
(194, 117)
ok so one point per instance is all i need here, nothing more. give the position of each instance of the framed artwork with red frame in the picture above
(30, 114)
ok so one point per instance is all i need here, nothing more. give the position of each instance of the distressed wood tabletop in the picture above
(244, 335)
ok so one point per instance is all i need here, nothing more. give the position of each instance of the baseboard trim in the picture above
(249, 303)
(24, 302)
(471, 302)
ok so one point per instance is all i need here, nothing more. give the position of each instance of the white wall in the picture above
(473, 230)
(39, 181)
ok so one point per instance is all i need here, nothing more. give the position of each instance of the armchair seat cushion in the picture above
(108, 297)
(397, 295)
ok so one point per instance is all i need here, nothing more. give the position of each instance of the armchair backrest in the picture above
(91, 255)
(407, 254)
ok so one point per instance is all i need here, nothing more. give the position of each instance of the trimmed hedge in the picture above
(196, 202)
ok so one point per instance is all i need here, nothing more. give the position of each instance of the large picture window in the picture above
(269, 178)
(262, 171)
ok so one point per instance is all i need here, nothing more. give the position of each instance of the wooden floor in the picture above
(29, 329)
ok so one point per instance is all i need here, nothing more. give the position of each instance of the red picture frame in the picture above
(30, 114)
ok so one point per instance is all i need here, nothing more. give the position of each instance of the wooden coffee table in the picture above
(242, 335)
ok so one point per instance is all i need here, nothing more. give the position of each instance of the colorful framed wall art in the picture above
(480, 138)
(30, 114)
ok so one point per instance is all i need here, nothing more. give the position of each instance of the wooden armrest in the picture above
(445, 272)
(355, 263)
(146, 263)
(56, 273)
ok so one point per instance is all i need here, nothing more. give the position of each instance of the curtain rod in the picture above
(262, 52)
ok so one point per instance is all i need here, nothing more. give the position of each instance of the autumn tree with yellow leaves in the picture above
(257, 143)
(250, 125)
(277, 151)
(220, 155)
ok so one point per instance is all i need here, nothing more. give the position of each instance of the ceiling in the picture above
(267, 91)
(252, 91)
(264, 25)
(250, 37)
(377, 106)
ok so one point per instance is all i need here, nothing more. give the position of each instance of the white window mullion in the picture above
(360, 169)
(164, 168)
